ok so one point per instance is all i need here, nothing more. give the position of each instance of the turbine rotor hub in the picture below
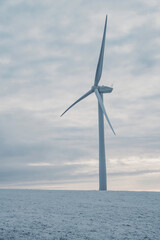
(102, 89)
(94, 87)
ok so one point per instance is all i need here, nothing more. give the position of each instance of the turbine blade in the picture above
(100, 61)
(103, 108)
(84, 96)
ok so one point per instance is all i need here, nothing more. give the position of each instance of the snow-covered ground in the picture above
(35, 214)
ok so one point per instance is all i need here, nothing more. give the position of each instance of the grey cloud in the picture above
(142, 172)
(48, 54)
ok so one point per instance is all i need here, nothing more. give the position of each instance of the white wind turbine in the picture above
(99, 90)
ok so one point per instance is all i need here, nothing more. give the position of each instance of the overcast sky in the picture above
(48, 57)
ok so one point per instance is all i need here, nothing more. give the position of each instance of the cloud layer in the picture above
(48, 56)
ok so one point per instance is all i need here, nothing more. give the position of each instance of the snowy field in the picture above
(62, 215)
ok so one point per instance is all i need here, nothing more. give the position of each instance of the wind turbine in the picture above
(99, 91)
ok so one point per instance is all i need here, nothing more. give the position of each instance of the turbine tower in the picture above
(99, 91)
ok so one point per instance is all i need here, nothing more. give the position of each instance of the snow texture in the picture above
(90, 215)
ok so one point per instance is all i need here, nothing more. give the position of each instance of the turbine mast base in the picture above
(102, 158)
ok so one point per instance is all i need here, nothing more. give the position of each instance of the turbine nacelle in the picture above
(102, 89)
